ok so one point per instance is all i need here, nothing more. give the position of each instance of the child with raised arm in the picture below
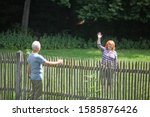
(109, 59)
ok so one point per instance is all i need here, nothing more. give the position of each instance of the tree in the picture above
(98, 9)
(138, 10)
(63, 2)
(26, 12)
(25, 18)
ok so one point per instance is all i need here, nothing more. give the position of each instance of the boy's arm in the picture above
(53, 62)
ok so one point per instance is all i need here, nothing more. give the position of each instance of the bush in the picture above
(18, 40)
(14, 40)
(130, 44)
(124, 43)
(61, 41)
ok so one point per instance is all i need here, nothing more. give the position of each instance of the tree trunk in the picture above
(25, 18)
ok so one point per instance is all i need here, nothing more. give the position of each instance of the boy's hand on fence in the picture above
(60, 61)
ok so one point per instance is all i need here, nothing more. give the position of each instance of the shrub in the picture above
(14, 40)
(18, 40)
(59, 41)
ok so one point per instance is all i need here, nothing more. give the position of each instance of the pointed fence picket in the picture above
(76, 79)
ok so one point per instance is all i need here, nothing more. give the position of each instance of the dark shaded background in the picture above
(49, 17)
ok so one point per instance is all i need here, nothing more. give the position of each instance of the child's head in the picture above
(36, 46)
(110, 45)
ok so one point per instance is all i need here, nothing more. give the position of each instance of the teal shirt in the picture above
(36, 63)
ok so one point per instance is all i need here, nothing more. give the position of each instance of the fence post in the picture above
(19, 55)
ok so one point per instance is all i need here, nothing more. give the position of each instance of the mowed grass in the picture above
(123, 55)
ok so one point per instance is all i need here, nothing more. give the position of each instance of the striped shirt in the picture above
(108, 57)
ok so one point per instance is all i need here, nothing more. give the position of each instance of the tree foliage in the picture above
(63, 2)
(138, 10)
(113, 17)
(98, 9)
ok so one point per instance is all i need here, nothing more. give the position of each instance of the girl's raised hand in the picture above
(99, 35)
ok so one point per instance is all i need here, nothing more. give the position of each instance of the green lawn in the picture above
(132, 55)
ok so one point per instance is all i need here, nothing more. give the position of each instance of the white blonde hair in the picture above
(36, 44)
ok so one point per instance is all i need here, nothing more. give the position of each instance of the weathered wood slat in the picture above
(78, 79)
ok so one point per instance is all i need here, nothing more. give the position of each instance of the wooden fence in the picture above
(76, 80)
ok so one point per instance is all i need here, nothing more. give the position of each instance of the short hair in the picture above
(36, 44)
(111, 42)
